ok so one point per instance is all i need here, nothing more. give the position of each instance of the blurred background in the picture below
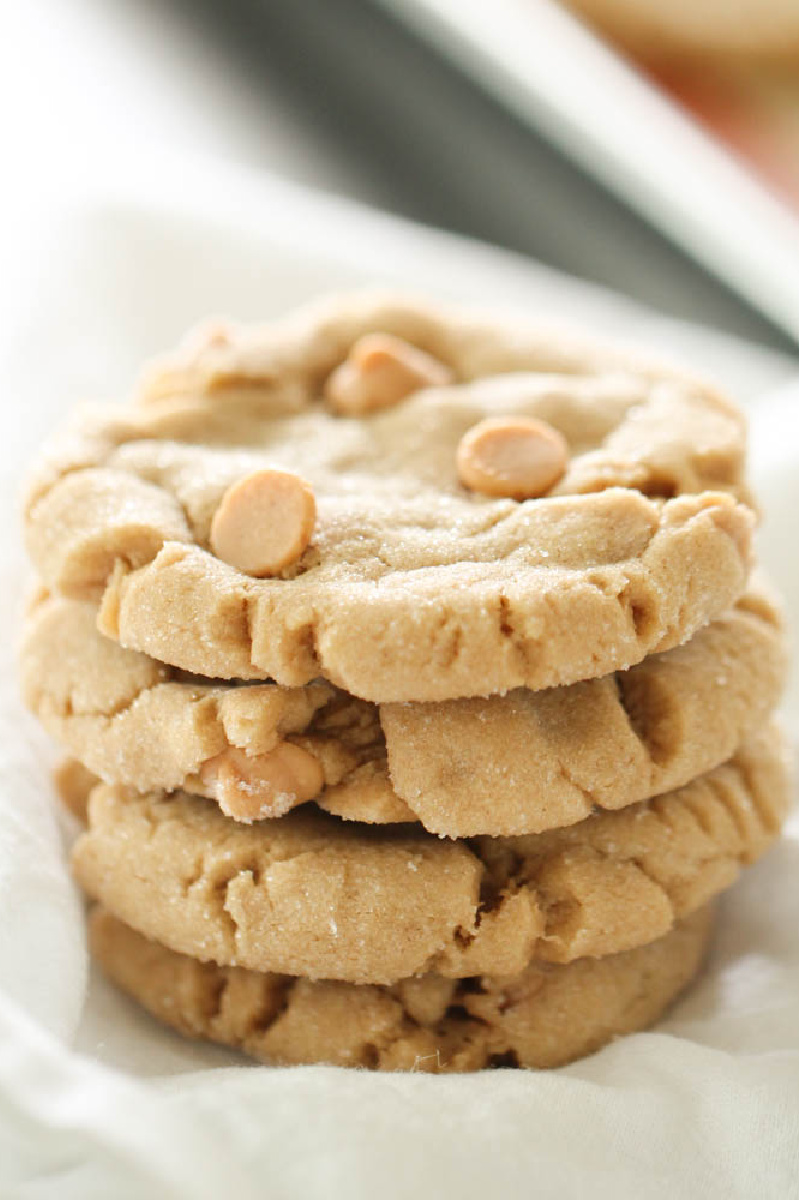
(668, 171)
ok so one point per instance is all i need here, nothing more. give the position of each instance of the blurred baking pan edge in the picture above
(547, 69)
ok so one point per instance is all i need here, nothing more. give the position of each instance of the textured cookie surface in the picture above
(132, 720)
(529, 761)
(520, 763)
(543, 1017)
(412, 587)
(309, 895)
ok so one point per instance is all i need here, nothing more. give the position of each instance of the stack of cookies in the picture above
(415, 682)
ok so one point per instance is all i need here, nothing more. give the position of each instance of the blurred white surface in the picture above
(708, 1106)
(552, 72)
(337, 96)
(88, 87)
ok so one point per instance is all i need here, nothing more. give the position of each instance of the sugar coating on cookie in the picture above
(519, 763)
(412, 587)
(309, 895)
(542, 1017)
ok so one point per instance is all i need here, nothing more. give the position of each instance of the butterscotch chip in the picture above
(380, 371)
(517, 457)
(264, 522)
(543, 1017)
(309, 895)
(248, 787)
(74, 784)
(414, 589)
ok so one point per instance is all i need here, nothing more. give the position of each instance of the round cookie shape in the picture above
(308, 895)
(514, 764)
(412, 586)
(543, 1017)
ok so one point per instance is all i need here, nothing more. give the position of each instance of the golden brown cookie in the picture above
(413, 587)
(529, 761)
(520, 763)
(258, 749)
(543, 1017)
(745, 30)
(309, 895)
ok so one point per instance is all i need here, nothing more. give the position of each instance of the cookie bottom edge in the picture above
(545, 1017)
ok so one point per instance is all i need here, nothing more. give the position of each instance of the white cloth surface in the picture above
(96, 1100)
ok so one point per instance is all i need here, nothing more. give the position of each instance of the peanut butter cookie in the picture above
(310, 895)
(514, 764)
(289, 503)
(543, 1017)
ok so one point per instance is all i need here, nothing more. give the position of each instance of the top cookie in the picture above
(386, 573)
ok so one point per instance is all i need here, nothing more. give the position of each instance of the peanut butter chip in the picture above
(264, 522)
(517, 457)
(248, 787)
(380, 371)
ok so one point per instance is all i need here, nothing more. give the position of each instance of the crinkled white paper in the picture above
(96, 1100)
